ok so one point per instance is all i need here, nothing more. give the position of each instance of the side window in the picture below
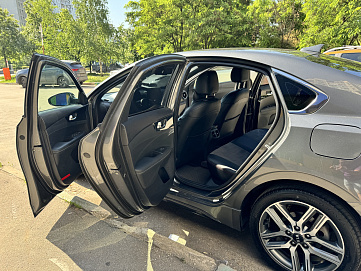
(151, 91)
(296, 95)
(110, 95)
(265, 88)
(352, 56)
(56, 89)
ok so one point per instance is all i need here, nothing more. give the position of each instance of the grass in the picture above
(2, 80)
(96, 78)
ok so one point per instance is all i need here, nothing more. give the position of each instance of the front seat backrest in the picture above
(233, 104)
(195, 124)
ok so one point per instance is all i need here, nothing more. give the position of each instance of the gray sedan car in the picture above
(269, 139)
(53, 76)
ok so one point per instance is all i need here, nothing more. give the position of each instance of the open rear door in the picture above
(129, 158)
(47, 137)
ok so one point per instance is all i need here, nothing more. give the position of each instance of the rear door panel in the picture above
(129, 160)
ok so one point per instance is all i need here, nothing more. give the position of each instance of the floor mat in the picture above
(198, 175)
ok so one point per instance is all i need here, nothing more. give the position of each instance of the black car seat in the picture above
(195, 124)
(233, 104)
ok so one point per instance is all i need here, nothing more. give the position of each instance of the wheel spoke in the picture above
(332, 246)
(324, 255)
(268, 234)
(296, 266)
(276, 218)
(285, 213)
(307, 265)
(306, 216)
(278, 245)
(318, 224)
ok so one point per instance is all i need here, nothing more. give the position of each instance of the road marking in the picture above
(150, 234)
(62, 265)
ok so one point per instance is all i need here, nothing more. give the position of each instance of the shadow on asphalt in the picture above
(94, 245)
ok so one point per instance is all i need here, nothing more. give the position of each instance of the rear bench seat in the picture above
(224, 161)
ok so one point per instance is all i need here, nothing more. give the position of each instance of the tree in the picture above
(276, 23)
(12, 42)
(92, 17)
(333, 22)
(42, 19)
(163, 26)
(121, 44)
(70, 45)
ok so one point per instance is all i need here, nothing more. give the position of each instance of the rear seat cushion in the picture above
(250, 140)
(224, 161)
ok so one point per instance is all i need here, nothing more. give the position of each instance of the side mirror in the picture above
(62, 99)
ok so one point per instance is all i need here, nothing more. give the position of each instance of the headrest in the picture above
(239, 75)
(207, 83)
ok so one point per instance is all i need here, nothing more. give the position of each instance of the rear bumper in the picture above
(81, 77)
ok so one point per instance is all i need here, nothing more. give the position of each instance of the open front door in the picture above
(47, 138)
(129, 159)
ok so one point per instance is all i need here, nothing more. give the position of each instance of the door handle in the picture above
(160, 125)
(73, 117)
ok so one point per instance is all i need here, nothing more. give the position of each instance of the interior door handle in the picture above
(73, 117)
(160, 125)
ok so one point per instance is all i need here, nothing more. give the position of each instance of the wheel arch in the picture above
(334, 191)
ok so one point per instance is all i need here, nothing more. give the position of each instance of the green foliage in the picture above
(12, 43)
(333, 22)
(275, 23)
(162, 26)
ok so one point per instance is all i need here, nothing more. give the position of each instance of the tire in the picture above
(81, 83)
(62, 82)
(327, 223)
(23, 80)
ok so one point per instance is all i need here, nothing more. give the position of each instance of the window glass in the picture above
(224, 74)
(56, 89)
(297, 96)
(265, 88)
(151, 90)
(110, 95)
(352, 56)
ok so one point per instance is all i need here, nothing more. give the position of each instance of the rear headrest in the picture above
(239, 75)
(207, 83)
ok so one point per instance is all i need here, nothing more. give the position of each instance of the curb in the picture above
(189, 256)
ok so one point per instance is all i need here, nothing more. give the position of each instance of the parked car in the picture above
(51, 78)
(268, 138)
(106, 67)
(349, 52)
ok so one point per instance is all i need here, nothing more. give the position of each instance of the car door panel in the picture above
(267, 108)
(48, 136)
(151, 149)
(129, 160)
(64, 136)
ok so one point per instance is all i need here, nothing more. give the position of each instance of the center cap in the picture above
(298, 237)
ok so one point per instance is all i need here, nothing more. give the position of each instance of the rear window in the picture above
(296, 95)
(352, 56)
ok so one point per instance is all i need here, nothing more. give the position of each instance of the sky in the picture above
(117, 12)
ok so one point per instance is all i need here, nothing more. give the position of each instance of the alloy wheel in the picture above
(62, 82)
(301, 237)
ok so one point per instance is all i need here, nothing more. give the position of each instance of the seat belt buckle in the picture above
(215, 132)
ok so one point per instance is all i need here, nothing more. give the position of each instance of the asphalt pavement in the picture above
(83, 241)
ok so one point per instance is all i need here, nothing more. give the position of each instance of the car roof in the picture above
(295, 62)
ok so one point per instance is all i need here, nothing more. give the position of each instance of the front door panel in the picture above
(55, 119)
